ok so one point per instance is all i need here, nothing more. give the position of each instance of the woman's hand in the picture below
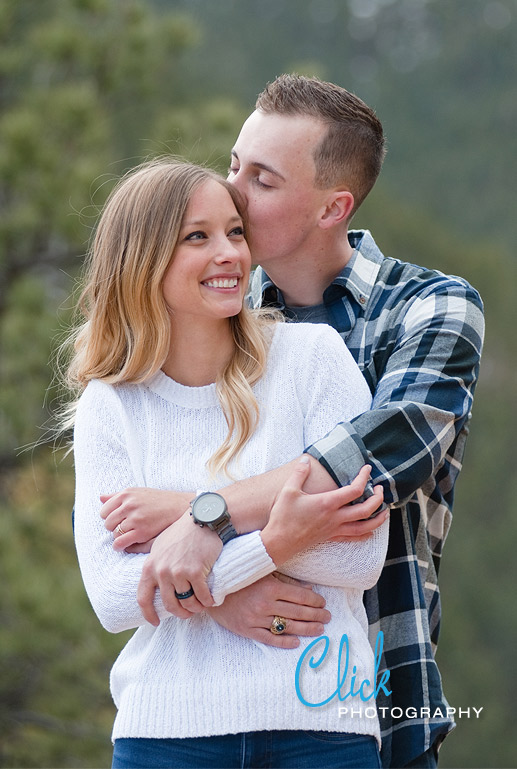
(136, 516)
(299, 520)
(181, 559)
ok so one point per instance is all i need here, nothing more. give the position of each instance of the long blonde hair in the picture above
(125, 332)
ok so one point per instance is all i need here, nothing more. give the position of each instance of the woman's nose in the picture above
(228, 252)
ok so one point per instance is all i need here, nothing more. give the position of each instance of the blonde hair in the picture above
(125, 333)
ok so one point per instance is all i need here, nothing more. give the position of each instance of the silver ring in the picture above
(120, 530)
(186, 594)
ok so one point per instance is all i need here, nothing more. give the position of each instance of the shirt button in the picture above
(362, 299)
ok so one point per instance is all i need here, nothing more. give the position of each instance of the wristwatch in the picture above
(209, 509)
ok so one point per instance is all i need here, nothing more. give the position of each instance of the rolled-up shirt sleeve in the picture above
(423, 396)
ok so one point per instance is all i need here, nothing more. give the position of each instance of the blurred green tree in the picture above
(88, 88)
(55, 706)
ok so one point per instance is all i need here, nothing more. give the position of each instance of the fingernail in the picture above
(304, 459)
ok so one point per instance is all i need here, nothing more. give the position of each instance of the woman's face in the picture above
(209, 271)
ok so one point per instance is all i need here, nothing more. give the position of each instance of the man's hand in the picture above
(299, 520)
(141, 514)
(251, 500)
(181, 559)
(250, 612)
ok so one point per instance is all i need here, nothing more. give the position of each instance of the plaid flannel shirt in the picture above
(417, 336)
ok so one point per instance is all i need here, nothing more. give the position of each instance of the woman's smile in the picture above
(222, 282)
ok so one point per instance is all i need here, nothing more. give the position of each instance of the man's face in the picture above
(272, 165)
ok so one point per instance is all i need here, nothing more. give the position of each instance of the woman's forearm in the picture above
(145, 513)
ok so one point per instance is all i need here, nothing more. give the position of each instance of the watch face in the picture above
(208, 508)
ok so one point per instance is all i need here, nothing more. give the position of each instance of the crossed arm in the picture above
(112, 579)
(250, 611)
(183, 555)
(421, 405)
(104, 460)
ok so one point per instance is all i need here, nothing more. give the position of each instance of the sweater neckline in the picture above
(183, 395)
(193, 397)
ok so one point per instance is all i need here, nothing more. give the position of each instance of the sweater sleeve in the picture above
(107, 460)
(329, 385)
(332, 386)
(104, 464)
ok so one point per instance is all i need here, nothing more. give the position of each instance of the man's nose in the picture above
(236, 178)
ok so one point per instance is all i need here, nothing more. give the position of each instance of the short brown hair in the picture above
(352, 151)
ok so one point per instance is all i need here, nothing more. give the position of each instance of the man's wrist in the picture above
(246, 514)
(279, 546)
(181, 503)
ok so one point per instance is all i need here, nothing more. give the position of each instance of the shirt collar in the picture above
(359, 275)
(263, 291)
(357, 278)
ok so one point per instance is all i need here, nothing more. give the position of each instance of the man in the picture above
(305, 160)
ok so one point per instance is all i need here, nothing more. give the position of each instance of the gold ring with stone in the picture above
(278, 626)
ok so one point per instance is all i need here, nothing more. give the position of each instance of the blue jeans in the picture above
(273, 750)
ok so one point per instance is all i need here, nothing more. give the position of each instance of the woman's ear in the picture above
(338, 209)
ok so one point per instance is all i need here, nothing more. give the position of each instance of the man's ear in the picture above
(338, 209)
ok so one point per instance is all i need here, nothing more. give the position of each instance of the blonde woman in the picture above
(181, 387)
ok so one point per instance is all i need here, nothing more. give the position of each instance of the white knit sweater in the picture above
(189, 678)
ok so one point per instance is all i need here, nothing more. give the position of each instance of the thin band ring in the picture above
(120, 530)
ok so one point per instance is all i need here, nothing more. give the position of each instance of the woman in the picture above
(182, 387)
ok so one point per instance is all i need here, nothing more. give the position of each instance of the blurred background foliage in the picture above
(88, 88)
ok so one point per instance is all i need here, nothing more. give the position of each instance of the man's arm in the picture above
(421, 405)
(145, 513)
(251, 500)
(422, 400)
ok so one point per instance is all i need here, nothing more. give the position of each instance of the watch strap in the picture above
(226, 531)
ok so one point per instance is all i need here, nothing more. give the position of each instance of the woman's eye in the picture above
(238, 231)
(198, 235)
(232, 170)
